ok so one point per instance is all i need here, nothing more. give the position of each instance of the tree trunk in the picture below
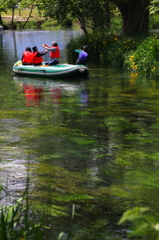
(28, 16)
(1, 20)
(135, 16)
(12, 21)
(81, 21)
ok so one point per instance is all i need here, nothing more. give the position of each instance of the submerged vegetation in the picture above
(90, 161)
(116, 155)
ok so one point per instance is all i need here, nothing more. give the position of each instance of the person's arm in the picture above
(50, 49)
(78, 50)
(46, 46)
(39, 54)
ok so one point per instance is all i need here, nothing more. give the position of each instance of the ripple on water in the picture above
(9, 129)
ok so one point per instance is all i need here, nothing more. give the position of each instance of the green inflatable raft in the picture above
(55, 71)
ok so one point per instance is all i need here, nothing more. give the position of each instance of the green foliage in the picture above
(145, 58)
(18, 220)
(154, 7)
(153, 22)
(144, 224)
(15, 223)
(85, 12)
(116, 24)
(49, 23)
(30, 25)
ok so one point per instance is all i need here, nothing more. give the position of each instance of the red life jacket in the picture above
(27, 57)
(55, 54)
(35, 59)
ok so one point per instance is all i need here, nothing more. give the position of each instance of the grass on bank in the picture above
(21, 15)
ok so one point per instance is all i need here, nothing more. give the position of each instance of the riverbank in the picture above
(20, 18)
(138, 53)
(25, 19)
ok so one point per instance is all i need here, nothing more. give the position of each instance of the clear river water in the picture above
(89, 147)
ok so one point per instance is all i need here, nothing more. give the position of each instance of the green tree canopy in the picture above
(85, 12)
(95, 14)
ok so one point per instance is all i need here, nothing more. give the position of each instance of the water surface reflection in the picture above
(48, 90)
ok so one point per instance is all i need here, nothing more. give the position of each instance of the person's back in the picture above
(37, 56)
(27, 56)
(36, 60)
(83, 56)
(54, 53)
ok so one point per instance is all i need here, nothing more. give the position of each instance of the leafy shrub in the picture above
(145, 58)
(106, 50)
(153, 22)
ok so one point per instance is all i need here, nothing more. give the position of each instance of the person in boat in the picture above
(54, 53)
(37, 56)
(27, 56)
(83, 56)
